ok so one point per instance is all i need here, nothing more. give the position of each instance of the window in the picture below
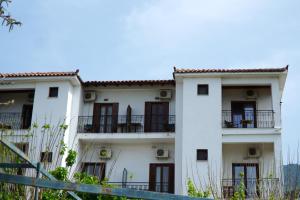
(202, 89)
(46, 156)
(202, 154)
(53, 92)
(23, 147)
(94, 169)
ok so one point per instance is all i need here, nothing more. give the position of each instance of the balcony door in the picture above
(105, 117)
(26, 116)
(243, 114)
(250, 179)
(161, 177)
(156, 116)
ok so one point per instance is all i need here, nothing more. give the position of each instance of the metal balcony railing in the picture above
(12, 120)
(248, 119)
(157, 186)
(253, 187)
(125, 124)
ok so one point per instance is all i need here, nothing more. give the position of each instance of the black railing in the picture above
(125, 124)
(14, 121)
(157, 187)
(252, 187)
(248, 119)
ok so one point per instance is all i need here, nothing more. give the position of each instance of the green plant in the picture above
(60, 173)
(71, 158)
(240, 194)
(63, 148)
(194, 192)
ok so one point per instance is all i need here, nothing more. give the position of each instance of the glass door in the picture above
(249, 172)
(156, 116)
(106, 118)
(161, 178)
(243, 114)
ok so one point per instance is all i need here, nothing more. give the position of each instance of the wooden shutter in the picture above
(115, 110)
(171, 178)
(165, 118)
(96, 118)
(147, 117)
(152, 177)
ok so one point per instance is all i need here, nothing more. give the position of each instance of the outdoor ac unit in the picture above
(165, 94)
(162, 153)
(89, 96)
(251, 94)
(105, 153)
(253, 153)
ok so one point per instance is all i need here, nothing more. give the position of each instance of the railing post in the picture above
(36, 191)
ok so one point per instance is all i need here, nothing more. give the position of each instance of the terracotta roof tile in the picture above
(129, 83)
(38, 74)
(249, 70)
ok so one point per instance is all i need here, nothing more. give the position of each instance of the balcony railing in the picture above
(157, 187)
(14, 121)
(253, 187)
(125, 124)
(248, 119)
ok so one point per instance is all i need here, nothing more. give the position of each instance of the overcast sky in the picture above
(112, 40)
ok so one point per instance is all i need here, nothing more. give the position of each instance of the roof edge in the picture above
(240, 70)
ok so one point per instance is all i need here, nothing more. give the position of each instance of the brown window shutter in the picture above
(147, 117)
(165, 116)
(171, 178)
(152, 181)
(96, 118)
(115, 111)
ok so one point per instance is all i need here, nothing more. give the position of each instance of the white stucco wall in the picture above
(237, 153)
(201, 129)
(135, 97)
(132, 156)
(263, 100)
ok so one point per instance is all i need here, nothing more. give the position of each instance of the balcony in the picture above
(248, 119)
(126, 124)
(13, 120)
(253, 187)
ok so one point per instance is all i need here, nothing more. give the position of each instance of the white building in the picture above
(228, 121)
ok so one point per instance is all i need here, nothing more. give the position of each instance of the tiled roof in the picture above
(181, 71)
(129, 83)
(38, 74)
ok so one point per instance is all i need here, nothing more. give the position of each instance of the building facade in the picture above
(207, 125)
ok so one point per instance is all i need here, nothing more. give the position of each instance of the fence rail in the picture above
(126, 124)
(92, 189)
(158, 186)
(248, 119)
(253, 187)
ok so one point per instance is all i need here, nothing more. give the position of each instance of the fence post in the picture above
(36, 191)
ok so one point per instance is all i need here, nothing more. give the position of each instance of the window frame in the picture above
(53, 92)
(202, 154)
(206, 89)
(49, 158)
(102, 166)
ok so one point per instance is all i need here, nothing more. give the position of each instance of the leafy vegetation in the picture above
(7, 20)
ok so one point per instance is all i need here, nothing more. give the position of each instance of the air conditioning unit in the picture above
(162, 153)
(89, 96)
(251, 94)
(165, 94)
(253, 153)
(105, 153)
